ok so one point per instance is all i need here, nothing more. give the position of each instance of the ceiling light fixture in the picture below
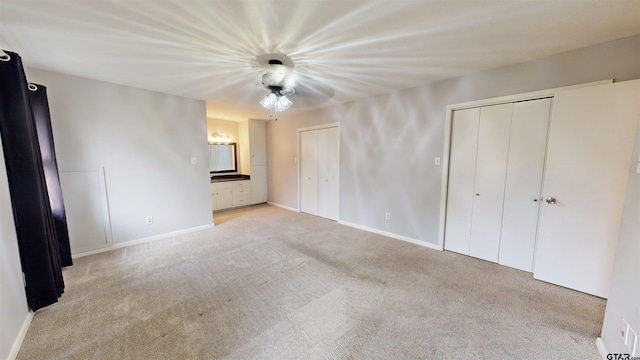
(275, 100)
(279, 84)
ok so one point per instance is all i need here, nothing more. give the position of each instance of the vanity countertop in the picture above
(222, 178)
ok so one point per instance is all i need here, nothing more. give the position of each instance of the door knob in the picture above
(477, 194)
(551, 200)
(535, 200)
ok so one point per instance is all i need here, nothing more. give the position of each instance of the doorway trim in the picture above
(478, 103)
(298, 162)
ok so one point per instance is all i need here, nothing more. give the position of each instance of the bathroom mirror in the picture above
(222, 158)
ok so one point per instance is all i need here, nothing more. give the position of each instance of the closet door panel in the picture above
(328, 167)
(309, 172)
(491, 168)
(462, 168)
(527, 146)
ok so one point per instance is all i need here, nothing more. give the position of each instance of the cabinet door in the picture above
(328, 172)
(462, 170)
(259, 188)
(309, 172)
(527, 146)
(258, 142)
(491, 168)
(222, 195)
(590, 145)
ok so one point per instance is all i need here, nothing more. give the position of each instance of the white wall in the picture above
(144, 140)
(388, 142)
(624, 296)
(13, 301)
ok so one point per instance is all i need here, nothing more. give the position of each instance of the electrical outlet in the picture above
(148, 220)
(387, 216)
(624, 330)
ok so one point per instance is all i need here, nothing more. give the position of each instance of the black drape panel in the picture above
(39, 253)
(40, 109)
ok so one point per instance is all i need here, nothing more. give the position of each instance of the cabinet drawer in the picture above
(241, 191)
(242, 184)
(242, 200)
(220, 186)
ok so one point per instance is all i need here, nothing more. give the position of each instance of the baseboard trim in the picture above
(142, 241)
(283, 206)
(17, 343)
(602, 350)
(391, 235)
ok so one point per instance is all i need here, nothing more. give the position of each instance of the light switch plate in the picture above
(638, 169)
(436, 160)
(624, 331)
(194, 160)
(632, 340)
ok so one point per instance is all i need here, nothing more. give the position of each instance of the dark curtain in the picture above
(40, 110)
(37, 243)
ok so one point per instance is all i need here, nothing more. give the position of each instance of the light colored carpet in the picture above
(268, 283)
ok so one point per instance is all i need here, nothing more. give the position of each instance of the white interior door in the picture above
(525, 166)
(86, 209)
(309, 172)
(328, 172)
(491, 168)
(589, 150)
(462, 169)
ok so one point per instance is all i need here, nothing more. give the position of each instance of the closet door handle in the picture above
(551, 200)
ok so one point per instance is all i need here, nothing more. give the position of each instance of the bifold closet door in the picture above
(462, 170)
(491, 169)
(525, 167)
(495, 174)
(590, 144)
(309, 172)
(478, 162)
(319, 172)
(328, 172)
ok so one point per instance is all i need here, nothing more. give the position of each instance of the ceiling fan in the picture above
(280, 82)
(280, 79)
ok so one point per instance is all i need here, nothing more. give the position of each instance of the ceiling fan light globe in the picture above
(269, 101)
(282, 103)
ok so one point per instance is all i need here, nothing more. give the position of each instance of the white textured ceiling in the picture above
(342, 49)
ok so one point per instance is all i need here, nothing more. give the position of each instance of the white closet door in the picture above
(491, 168)
(462, 169)
(529, 124)
(328, 172)
(309, 172)
(590, 144)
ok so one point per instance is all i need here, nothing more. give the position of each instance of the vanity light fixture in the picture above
(218, 139)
